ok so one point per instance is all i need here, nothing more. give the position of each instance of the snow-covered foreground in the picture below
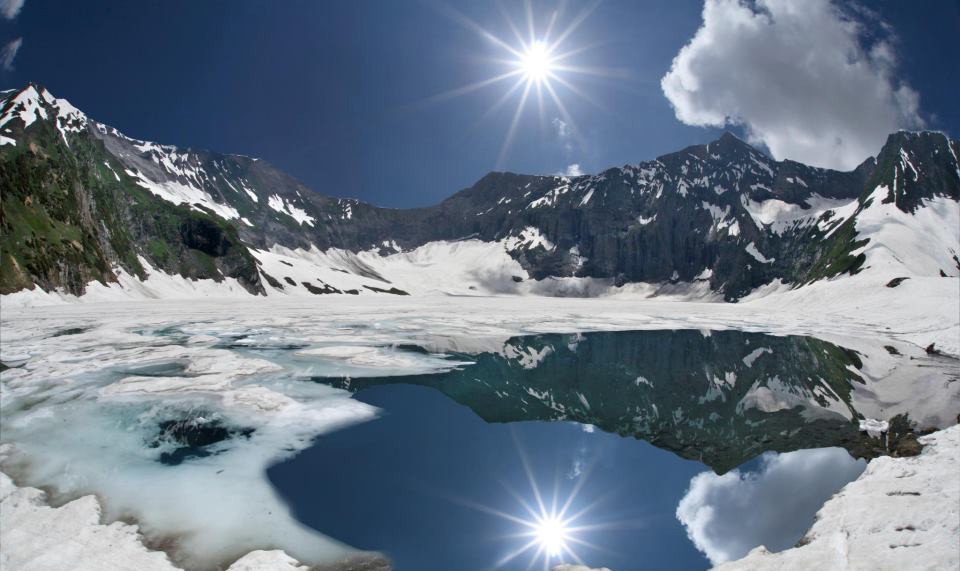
(100, 394)
(38, 537)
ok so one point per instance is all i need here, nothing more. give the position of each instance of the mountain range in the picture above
(85, 206)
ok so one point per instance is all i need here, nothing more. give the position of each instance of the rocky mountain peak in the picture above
(917, 165)
(19, 109)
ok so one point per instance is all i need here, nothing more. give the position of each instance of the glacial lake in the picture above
(609, 427)
(665, 449)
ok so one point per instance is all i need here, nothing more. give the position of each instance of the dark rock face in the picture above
(916, 166)
(202, 234)
(722, 213)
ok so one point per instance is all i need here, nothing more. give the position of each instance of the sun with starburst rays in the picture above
(537, 63)
(549, 534)
(548, 530)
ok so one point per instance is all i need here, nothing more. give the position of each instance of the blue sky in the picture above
(341, 94)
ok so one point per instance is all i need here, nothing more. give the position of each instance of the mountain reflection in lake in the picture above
(435, 485)
(719, 397)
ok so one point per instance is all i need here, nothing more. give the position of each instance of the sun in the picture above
(549, 531)
(536, 63)
(552, 534)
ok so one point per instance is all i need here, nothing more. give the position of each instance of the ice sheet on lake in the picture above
(173, 431)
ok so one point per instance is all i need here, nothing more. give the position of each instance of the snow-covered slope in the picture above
(710, 222)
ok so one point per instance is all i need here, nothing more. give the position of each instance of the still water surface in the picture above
(447, 476)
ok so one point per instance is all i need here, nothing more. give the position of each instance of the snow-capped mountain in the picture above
(83, 203)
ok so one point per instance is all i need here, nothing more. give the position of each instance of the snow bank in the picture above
(921, 310)
(920, 244)
(780, 216)
(463, 267)
(128, 287)
(38, 537)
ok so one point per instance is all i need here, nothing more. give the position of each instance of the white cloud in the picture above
(799, 76)
(10, 8)
(576, 470)
(9, 52)
(727, 516)
(564, 133)
(563, 129)
(573, 170)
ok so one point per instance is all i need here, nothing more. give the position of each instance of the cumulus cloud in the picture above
(10, 8)
(802, 78)
(727, 516)
(573, 170)
(9, 52)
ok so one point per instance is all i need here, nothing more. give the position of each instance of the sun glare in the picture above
(536, 63)
(551, 532)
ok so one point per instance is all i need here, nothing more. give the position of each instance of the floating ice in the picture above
(174, 434)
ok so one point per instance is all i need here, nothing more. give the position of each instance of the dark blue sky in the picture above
(337, 92)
